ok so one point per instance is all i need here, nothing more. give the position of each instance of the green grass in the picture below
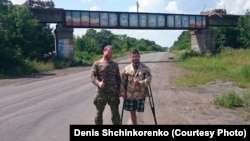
(230, 100)
(230, 65)
(30, 67)
(246, 98)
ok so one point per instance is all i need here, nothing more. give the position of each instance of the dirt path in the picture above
(184, 105)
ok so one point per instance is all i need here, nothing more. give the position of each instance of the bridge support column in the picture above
(64, 42)
(203, 41)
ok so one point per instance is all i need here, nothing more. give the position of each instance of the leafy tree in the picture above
(183, 42)
(3, 7)
(104, 37)
(22, 38)
(227, 37)
(141, 45)
(90, 39)
(24, 34)
(93, 42)
(244, 28)
(120, 43)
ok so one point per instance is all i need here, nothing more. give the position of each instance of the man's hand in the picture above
(123, 95)
(101, 84)
(136, 82)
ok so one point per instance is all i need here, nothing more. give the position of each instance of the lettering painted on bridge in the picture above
(133, 20)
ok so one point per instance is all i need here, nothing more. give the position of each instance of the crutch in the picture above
(151, 101)
(122, 111)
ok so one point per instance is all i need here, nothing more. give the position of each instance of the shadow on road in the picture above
(168, 61)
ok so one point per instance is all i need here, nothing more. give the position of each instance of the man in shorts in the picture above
(134, 86)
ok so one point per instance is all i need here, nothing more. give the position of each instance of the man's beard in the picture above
(136, 62)
(108, 57)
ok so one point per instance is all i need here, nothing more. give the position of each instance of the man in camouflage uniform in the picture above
(134, 87)
(106, 76)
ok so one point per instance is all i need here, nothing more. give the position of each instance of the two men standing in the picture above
(131, 85)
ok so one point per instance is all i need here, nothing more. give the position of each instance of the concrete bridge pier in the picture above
(64, 42)
(203, 41)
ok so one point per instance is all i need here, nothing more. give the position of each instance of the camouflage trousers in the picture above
(101, 100)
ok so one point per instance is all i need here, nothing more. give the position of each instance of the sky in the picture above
(164, 38)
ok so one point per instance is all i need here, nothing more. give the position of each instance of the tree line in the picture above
(93, 42)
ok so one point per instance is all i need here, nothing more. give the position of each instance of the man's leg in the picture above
(138, 107)
(114, 102)
(115, 115)
(133, 117)
(130, 105)
(100, 103)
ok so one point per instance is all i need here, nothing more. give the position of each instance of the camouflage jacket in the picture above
(109, 72)
(143, 74)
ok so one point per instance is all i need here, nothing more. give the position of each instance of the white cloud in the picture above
(237, 7)
(172, 7)
(94, 8)
(17, 1)
(152, 6)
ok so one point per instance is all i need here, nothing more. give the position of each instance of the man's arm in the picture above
(124, 83)
(94, 74)
(118, 78)
(147, 76)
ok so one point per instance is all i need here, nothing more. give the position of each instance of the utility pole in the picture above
(137, 6)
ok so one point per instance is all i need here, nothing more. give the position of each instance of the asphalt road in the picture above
(44, 110)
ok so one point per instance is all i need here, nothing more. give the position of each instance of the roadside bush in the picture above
(246, 98)
(189, 54)
(229, 100)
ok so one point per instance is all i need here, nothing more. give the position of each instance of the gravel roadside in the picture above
(187, 105)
